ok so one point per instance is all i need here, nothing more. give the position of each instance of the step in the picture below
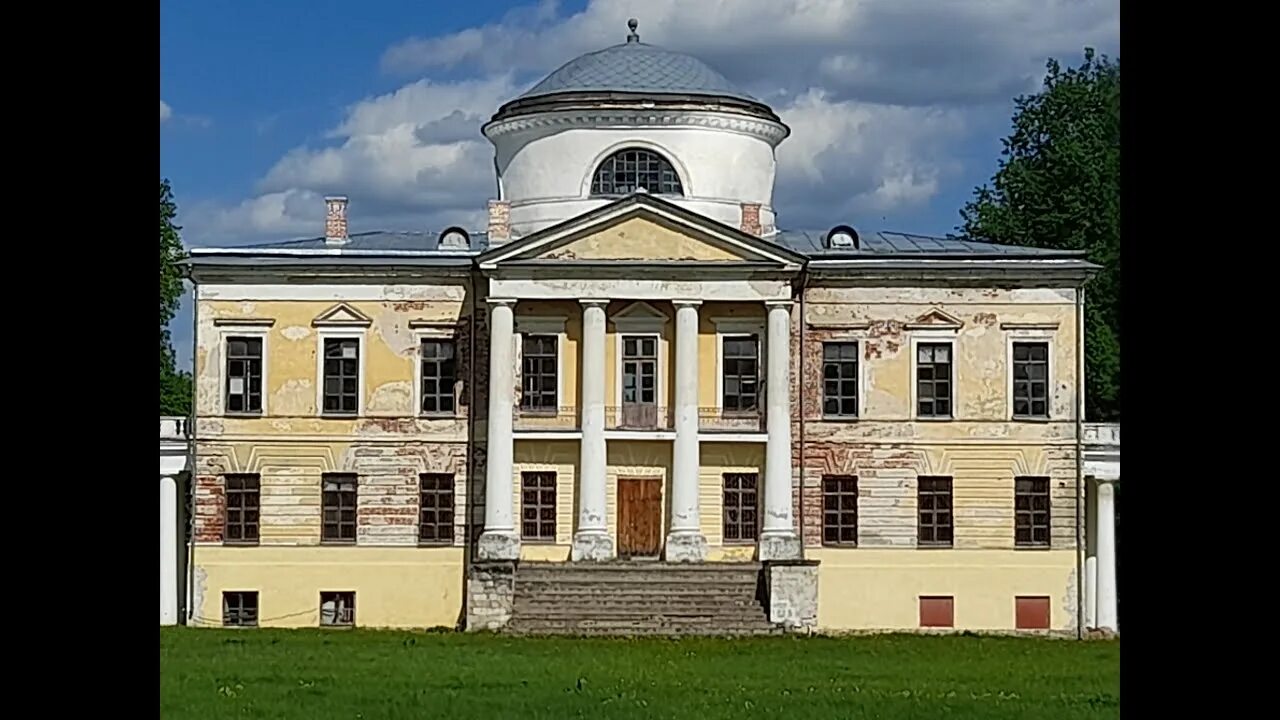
(629, 614)
(666, 579)
(532, 627)
(634, 588)
(657, 566)
(616, 603)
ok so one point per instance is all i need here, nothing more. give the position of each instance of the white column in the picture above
(778, 538)
(1106, 613)
(685, 542)
(168, 550)
(592, 540)
(500, 541)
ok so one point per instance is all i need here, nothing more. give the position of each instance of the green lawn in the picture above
(381, 674)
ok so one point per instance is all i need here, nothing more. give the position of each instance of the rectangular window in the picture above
(339, 508)
(538, 506)
(435, 509)
(740, 507)
(937, 611)
(934, 503)
(741, 374)
(341, 376)
(1031, 612)
(1031, 380)
(933, 380)
(244, 375)
(840, 379)
(840, 510)
(240, 609)
(243, 494)
(539, 380)
(337, 609)
(1031, 512)
(639, 381)
(439, 373)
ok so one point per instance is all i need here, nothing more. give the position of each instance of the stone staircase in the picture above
(639, 598)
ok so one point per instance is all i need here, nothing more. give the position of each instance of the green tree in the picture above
(175, 385)
(1058, 186)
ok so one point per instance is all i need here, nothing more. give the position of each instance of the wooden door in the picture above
(639, 517)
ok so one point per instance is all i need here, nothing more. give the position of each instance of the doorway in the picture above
(639, 517)
(639, 382)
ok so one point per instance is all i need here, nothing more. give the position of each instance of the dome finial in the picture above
(633, 37)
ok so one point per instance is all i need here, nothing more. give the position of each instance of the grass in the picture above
(370, 674)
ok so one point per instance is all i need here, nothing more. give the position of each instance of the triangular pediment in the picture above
(936, 319)
(641, 229)
(342, 315)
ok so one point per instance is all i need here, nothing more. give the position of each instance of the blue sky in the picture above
(897, 107)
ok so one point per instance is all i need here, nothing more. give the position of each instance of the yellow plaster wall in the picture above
(879, 589)
(560, 457)
(637, 239)
(395, 587)
(717, 459)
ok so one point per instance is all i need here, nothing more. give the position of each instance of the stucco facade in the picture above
(634, 376)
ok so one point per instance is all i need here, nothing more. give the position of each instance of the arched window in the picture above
(628, 170)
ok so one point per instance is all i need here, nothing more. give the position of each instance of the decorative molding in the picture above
(770, 132)
(244, 322)
(936, 319)
(342, 315)
(639, 317)
(839, 325)
(1041, 326)
(540, 324)
(434, 324)
(739, 325)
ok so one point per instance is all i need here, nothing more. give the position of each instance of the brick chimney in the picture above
(335, 220)
(499, 221)
(751, 219)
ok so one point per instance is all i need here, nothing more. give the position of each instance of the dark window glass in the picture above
(1031, 512)
(244, 375)
(840, 379)
(626, 171)
(934, 502)
(538, 506)
(741, 374)
(240, 609)
(339, 521)
(243, 495)
(539, 368)
(933, 380)
(435, 508)
(337, 609)
(839, 510)
(341, 376)
(1031, 380)
(438, 376)
(741, 507)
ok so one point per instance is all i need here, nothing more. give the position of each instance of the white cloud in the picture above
(166, 112)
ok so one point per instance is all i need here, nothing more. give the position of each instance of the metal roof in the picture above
(885, 243)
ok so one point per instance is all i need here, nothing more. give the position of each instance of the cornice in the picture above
(768, 131)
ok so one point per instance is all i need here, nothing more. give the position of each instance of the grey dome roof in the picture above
(636, 67)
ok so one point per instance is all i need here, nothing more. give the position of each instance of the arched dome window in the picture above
(628, 170)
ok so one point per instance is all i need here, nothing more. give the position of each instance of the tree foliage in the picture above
(1058, 186)
(175, 385)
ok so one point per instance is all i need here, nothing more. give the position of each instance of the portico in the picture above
(641, 301)
(1102, 476)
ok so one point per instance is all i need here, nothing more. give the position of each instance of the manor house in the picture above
(637, 401)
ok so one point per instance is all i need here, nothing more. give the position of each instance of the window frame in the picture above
(760, 379)
(932, 339)
(323, 335)
(227, 493)
(840, 511)
(858, 383)
(540, 539)
(337, 596)
(1030, 336)
(557, 365)
(589, 186)
(725, 492)
(419, 377)
(1031, 543)
(227, 339)
(452, 490)
(241, 594)
(247, 328)
(355, 507)
(951, 512)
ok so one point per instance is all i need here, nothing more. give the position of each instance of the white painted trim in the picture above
(681, 171)
(246, 323)
(659, 380)
(371, 290)
(226, 331)
(945, 337)
(432, 332)
(734, 326)
(733, 437)
(547, 434)
(639, 288)
(541, 325)
(945, 322)
(639, 318)
(639, 434)
(1028, 335)
(335, 333)
(329, 318)
(576, 228)
(1029, 326)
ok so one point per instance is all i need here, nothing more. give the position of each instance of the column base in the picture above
(592, 546)
(781, 546)
(685, 546)
(499, 545)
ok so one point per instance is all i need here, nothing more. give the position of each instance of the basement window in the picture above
(240, 609)
(337, 609)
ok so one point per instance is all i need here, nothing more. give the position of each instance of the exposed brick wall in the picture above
(209, 517)
(499, 221)
(751, 219)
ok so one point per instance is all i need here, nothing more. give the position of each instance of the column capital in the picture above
(779, 304)
(686, 303)
(594, 302)
(497, 302)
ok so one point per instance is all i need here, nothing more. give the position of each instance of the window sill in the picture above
(339, 416)
(1031, 419)
(935, 419)
(739, 543)
(1033, 548)
(337, 543)
(241, 543)
(840, 418)
(257, 414)
(935, 546)
(438, 416)
(538, 541)
(435, 544)
(840, 546)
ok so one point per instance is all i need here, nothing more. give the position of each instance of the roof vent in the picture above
(844, 237)
(454, 238)
(633, 36)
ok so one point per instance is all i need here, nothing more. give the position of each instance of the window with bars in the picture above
(243, 493)
(341, 376)
(339, 507)
(840, 379)
(741, 374)
(933, 380)
(337, 609)
(628, 170)
(240, 609)
(1031, 380)
(840, 510)
(435, 509)
(741, 507)
(934, 503)
(1031, 512)
(439, 373)
(539, 367)
(538, 506)
(244, 375)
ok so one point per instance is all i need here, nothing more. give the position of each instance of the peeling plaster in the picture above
(295, 397)
(392, 397)
(296, 333)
